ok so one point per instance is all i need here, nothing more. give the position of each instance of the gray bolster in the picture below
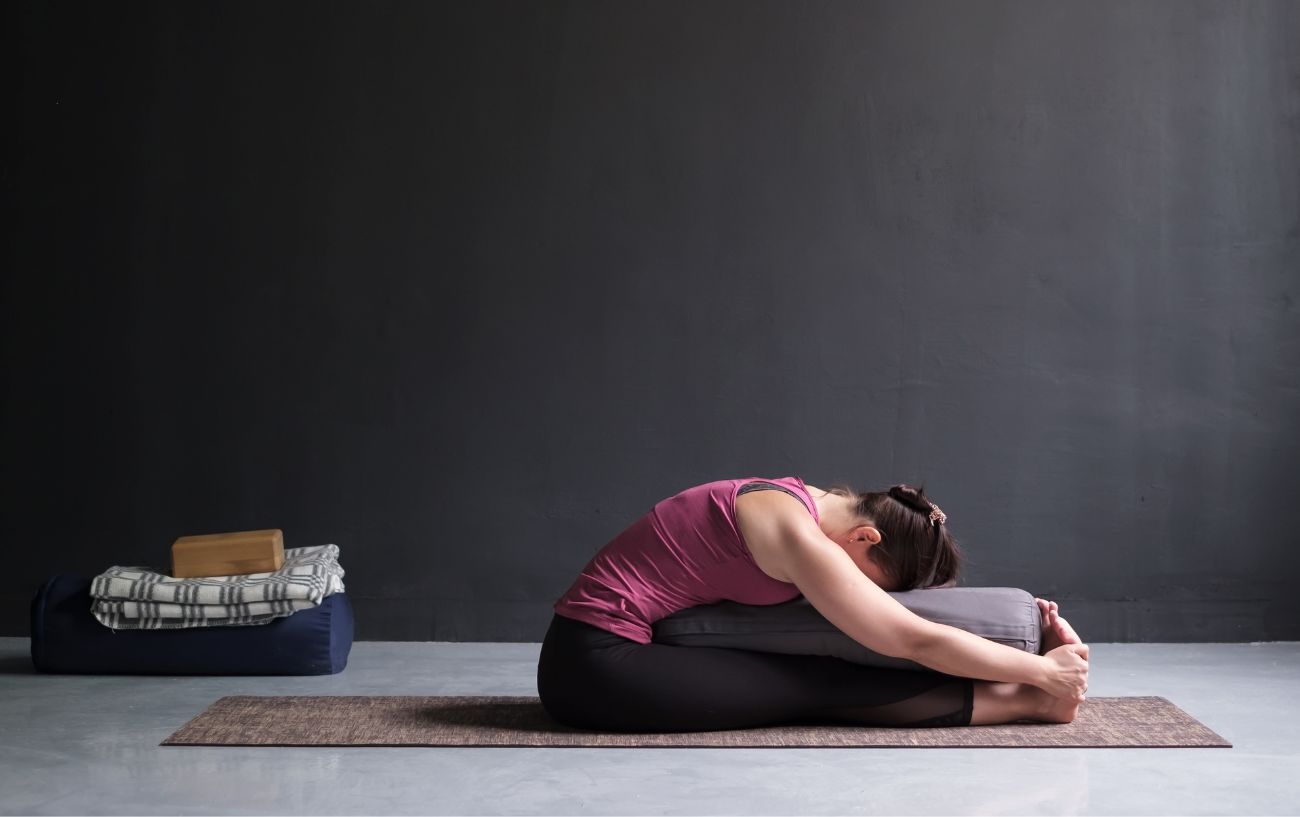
(1007, 615)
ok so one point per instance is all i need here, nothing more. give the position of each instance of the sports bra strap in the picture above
(768, 486)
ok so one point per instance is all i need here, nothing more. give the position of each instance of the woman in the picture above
(765, 541)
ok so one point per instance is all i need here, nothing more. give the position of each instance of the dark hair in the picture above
(914, 552)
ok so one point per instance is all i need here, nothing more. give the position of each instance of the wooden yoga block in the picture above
(228, 554)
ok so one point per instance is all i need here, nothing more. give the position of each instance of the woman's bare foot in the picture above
(1056, 630)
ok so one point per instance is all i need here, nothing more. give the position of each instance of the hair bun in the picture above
(913, 498)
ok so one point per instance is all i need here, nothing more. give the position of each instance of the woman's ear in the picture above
(868, 535)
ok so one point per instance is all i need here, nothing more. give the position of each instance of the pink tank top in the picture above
(685, 551)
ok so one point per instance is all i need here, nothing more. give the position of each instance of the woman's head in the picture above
(914, 551)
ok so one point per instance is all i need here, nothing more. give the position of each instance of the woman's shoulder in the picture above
(763, 519)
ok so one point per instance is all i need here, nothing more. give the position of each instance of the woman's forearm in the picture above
(954, 651)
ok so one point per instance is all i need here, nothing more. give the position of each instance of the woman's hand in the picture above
(1066, 672)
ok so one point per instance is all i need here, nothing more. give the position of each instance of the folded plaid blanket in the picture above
(142, 598)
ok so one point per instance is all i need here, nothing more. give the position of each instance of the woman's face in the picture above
(877, 575)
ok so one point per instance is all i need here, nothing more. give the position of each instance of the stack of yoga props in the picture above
(273, 611)
(1003, 614)
(141, 598)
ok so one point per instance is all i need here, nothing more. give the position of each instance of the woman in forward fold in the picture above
(766, 541)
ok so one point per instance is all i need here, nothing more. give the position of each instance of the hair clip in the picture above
(937, 517)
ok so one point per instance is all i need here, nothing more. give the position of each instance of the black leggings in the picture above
(590, 678)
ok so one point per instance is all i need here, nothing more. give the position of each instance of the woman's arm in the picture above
(787, 538)
(835, 586)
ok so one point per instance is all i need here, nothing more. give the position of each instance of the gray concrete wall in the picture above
(466, 287)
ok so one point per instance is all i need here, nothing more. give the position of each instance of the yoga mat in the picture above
(509, 720)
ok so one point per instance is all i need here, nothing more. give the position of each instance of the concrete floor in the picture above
(89, 745)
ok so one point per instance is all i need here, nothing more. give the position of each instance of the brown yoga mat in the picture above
(293, 720)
